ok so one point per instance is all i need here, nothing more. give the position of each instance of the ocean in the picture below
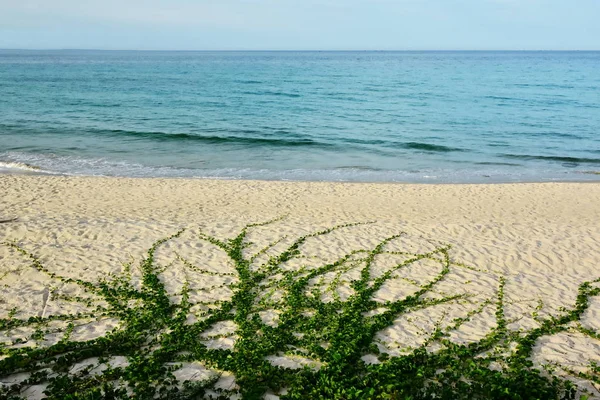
(439, 117)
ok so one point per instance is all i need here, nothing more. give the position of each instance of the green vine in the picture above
(330, 340)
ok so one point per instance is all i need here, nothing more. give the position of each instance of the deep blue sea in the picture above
(331, 116)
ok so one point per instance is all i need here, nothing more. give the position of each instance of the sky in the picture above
(301, 24)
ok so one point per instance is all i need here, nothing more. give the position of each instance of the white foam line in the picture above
(23, 167)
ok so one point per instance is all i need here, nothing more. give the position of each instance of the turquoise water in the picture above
(349, 116)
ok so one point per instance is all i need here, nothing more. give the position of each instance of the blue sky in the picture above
(300, 24)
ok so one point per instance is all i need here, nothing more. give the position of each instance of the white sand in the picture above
(544, 238)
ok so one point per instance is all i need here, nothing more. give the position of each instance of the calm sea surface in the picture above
(333, 116)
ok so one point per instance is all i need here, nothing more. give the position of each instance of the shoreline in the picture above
(33, 172)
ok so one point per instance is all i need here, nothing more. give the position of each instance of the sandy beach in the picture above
(543, 238)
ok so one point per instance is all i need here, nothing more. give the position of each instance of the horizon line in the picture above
(299, 50)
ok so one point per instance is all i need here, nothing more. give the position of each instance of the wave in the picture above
(248, 137)
(79, 166)
(554, 134)
(249, 81)
(359, 168)
(19, 165)
(15, 165)
(591, 172)
(506, 164)
(255, 138)
(405, 145)
(573, 160)
(273, 93)
(544, 85)
(54, 164)
(214, 139)
(430, 147)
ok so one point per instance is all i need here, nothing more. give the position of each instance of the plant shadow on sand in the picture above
(305, 332)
